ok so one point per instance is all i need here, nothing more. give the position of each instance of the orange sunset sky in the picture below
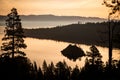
(88, 8)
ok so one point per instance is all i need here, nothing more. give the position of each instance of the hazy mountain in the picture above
(55, 18)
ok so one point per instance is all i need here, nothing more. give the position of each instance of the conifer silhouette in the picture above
(13, 39)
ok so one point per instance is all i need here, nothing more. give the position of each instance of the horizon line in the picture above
(58, 15)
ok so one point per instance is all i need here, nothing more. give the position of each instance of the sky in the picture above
(87, 8)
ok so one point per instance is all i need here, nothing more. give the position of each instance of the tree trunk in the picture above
(110, 44)
(13, 47)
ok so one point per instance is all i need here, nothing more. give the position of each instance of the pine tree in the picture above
(114, 5)
(94, 55)
(44, 66)
(13, 39)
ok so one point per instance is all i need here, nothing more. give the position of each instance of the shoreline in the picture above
(88, 34)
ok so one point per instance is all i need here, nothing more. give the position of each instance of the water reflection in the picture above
(39, 50)
(49, 50)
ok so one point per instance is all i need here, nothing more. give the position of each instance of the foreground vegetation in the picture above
(20, 68)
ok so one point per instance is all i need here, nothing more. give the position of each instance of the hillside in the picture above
(90, 33)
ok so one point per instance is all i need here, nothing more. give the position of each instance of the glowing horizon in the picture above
(87, 8)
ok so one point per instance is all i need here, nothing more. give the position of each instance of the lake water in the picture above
(50, 50)
(39, 49)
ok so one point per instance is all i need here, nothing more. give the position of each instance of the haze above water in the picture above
(49, 24)
(39, 50)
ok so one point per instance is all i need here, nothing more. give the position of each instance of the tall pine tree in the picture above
(114, 5)
(13, 39)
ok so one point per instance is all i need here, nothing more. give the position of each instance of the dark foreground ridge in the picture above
(21, 68)
(89, 33)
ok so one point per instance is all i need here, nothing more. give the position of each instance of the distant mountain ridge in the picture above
(54, 18)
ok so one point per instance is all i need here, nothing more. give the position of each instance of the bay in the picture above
(40, 49)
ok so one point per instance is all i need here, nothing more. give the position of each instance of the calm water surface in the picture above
(49, 50)
(39, 50)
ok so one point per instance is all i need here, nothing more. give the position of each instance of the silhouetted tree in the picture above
(39, 74)
(13, 39)
(19, 69)
(44, 66)
(62, 72)
(93, 68)
(114, 5)
(75, 73)
(50, 72)
(36, 72)
(115, 8)
(94, 56)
